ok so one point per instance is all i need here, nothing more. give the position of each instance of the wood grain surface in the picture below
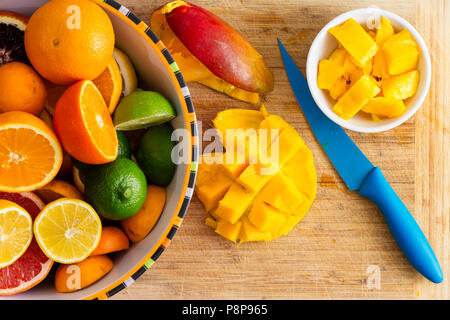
(343, 238)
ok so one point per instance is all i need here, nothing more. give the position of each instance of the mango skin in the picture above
(225, 52)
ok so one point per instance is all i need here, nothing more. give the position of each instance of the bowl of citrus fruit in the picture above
(97, 154)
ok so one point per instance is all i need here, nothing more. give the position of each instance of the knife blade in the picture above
(360, 174)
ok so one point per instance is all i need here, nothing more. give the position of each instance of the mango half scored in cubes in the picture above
(259, 205)
(370, 71)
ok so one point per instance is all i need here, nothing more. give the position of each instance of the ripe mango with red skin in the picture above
(223, 50)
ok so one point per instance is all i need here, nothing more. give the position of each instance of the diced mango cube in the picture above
(255, 177)
(349, 66)
(228, 230)
(287, 143)
(339, 88)
(379, 69)
(281, 193)
(356, 97)
(329, 73)
(250, 233)
(234, 204)
(266, 217)
(355, 40)
(210, 222)
(212, 183)
(384, 31)
(402, 86)
(400, 53)
(384, 107)
(301, 171)
(338, 56)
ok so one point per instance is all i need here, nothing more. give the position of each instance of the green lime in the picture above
(116, 190)
(142, 109)
(154, 154)
(124, 145)
(124, 151)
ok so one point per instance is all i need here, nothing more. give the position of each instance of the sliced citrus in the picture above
(67, 230)
(15, 232)
(126, 70)
(30, 154)
(110, 85)
(33, 266)
(58, 189)
(11, 45)
(84, 126)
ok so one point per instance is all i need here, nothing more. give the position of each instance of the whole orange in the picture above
(67, 41)
(21, 89)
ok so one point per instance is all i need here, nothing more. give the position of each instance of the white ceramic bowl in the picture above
(157, 71)
(325, 43)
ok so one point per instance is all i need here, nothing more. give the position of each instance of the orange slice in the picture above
(30, 154)
(58, 189)
(110, 85)
(84, 126)
(15, 232)
(67, 230)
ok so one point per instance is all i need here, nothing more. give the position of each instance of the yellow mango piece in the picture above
(210, 222)
(338, 56)
(339, 88)
(356, 97)
(287, 143)
(329, 73)
(250, 233)
(349, 66)
(384, 107)
(400, 53)
(355, 40)
(229, 230)
(234, 203)
(254, 178)
(384, 31)
(281, 193)
(402, 86)
(212, 183)
(379, 69)
(301, 171)
(266, 217)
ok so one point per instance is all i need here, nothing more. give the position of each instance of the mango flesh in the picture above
(356, 97)
(358, 43)
(402, 86)
(384, 107)
(393, 67)
(218, 47)
(400, 53)
(270, 203)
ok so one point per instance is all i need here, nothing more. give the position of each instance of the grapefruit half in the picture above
(33, 266)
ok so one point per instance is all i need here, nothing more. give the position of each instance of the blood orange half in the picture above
(33, 266)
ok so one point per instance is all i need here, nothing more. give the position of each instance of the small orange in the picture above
(21, 89)
(139, 226)
(112, 239)
(110, 85)
(84, 126)
(30, 154)
(73, 277)
(58, 189)
(67, 41)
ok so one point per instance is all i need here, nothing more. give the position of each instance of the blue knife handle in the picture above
(404, 228)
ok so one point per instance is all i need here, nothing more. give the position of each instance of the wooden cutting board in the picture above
(343, 243)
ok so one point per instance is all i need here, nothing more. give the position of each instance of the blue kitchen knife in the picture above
(360, 174)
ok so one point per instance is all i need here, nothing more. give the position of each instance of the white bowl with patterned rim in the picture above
(325, 43)
(156, 71)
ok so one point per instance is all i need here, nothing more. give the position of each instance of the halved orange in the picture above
(30, 154)
(84, 126)
(110, 85)
(15, 232)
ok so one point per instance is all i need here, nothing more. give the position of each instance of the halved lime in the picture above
(142, 109)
